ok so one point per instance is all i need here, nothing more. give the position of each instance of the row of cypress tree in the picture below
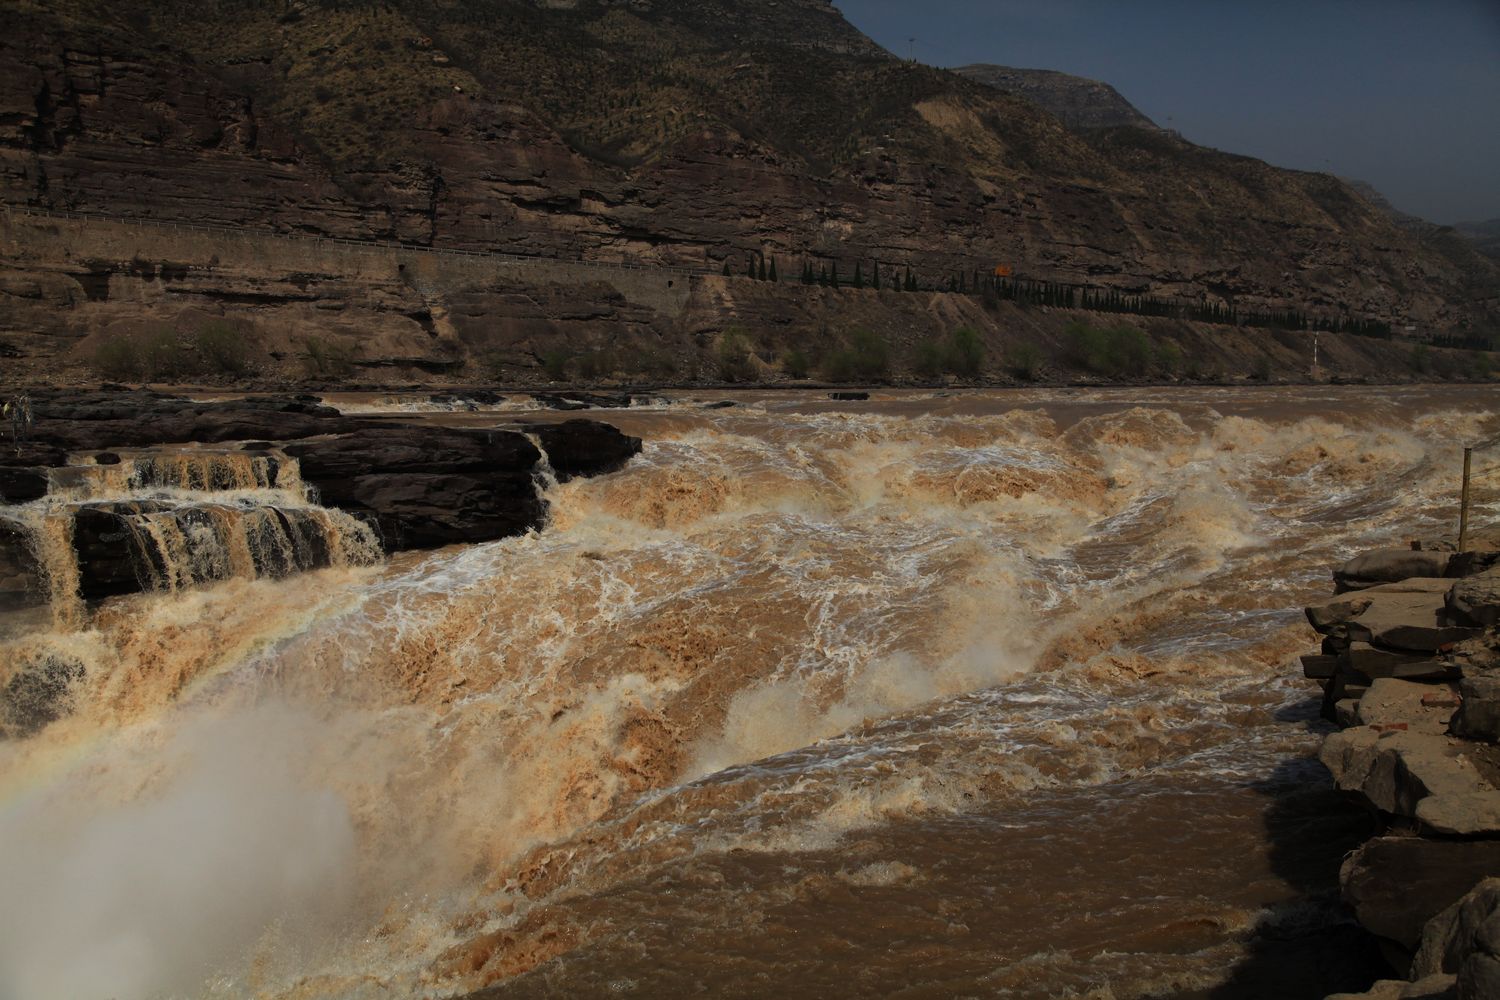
(1049, 293)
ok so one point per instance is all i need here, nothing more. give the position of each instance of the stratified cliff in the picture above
(690, 132)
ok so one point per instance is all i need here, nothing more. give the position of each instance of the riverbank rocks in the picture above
(1478, 716)
(1397, 884)
(418, 485)
(1475, 600)
(1464, 941)
(20, 583)
(1410, 668)
(581, 448)
(1408, 615)
(428, 486)
(1445, 784)
(1388, 566)
(1439, 987)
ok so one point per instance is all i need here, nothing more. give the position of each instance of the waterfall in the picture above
(166, 520)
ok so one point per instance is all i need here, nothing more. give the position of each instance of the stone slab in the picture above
(1391, 701)
(1372, 662)
(1417, 775)
(1397, 884)
(1478, 717)
(1388, 566)
(1316, 666)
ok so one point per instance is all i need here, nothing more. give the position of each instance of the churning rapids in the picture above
(984, 694)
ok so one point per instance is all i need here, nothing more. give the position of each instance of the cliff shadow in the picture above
(1309, 945)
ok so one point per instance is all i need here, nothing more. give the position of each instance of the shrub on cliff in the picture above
(164, 355)
(597, 364)
(1169, 357)
(322, 356)
(930, 360)
(965, 352)
(734, 363)
(962, 353)
(1111, 351)
(866, 357)
(118, 358)
(555, 363)
(796, 363)
(221, 349)
(1024, 362)
(156, 355)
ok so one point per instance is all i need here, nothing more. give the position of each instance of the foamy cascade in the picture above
(793, 663)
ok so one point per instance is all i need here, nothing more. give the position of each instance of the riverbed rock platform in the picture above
(1409, 664)
(418, 485)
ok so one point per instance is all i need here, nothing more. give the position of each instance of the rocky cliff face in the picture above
(663, 132)
(1076, 101)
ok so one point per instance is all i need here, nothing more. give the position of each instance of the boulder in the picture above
(1397, 884)
(108, 548)
(20, 577)
(428, 486)
(1478, 717)
(24, 483)
(584, 447)
(1418, 775)
(1346, 608)
(1464, 940)
(1413, 622)
(1478, 655)
(1438, 987)
(1475, 600)
(95, 421)
(1471, 562)
(1388, 566)
(1319, 667)
(849, 396)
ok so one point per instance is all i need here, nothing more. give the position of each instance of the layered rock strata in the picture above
(515, 126)
(415, 486)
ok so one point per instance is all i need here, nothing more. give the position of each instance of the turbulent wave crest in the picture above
(790, 654)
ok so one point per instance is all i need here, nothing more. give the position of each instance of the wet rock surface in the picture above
(418, 486)
(38, 694)
(584, 447)
(428, 486)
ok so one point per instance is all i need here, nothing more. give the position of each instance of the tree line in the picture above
(1049, 293)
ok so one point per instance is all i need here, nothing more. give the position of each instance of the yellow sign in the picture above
(1002, 270)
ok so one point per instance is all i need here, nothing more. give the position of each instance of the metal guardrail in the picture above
(367, 245)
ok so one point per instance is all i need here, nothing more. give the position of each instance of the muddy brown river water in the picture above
(982, 694)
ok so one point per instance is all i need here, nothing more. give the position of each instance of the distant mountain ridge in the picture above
(1076, 101)
(702, 133)
(1486, 235)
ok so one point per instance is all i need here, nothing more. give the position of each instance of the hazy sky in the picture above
(1404, 94)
